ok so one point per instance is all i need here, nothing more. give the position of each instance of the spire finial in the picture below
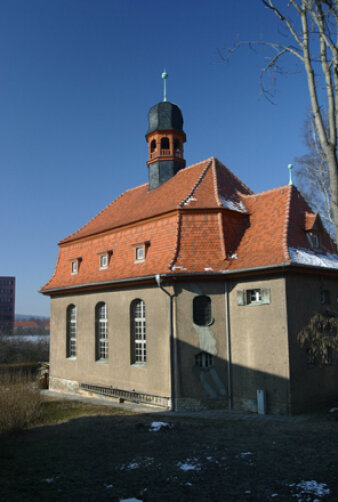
(290, 174)
(164, 76)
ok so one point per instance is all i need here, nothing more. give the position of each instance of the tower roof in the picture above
(165, 116)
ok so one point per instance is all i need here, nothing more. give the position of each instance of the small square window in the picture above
(254, 296)
(204, 360)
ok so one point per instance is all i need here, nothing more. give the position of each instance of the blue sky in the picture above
(77, 79)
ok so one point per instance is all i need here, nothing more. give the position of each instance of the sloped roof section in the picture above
(192, 187)
(203, 220)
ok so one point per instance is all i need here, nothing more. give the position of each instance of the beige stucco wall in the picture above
(259, 347)
(310, 385)
(195, 386)
(152, 378)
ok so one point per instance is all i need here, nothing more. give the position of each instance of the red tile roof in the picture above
(25, 324)
(202, 220)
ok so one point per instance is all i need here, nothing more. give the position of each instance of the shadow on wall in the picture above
(202, 382)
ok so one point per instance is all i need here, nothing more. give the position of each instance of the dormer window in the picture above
(104, 259)
(140, 251)
(75, 265)
(315, 241)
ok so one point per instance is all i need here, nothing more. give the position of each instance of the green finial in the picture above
(290, 174)
(164, 76)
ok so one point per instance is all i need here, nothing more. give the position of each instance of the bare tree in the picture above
(313, 177)
(311, 29)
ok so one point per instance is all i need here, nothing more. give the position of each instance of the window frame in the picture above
(202, 310)
(138, 333)
(101, 332)
(204, 360)
(244, 297)
(71, 332)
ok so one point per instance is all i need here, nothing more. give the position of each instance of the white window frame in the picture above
(103, 261)
(138, 333)
(254, 296)
(75, 267)
(139, 253)
(101, 332)
(71, 332)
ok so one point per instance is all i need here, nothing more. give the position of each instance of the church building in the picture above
(189, 291)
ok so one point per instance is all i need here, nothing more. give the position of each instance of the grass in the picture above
(20, 402)
(91, 453)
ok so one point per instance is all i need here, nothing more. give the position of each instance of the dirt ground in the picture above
(114, 456)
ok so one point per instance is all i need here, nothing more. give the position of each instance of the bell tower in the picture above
(165, 138)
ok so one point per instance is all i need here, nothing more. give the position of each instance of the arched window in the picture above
(202, 310)
(165, 144)
(138, 332)
(153, 146)
(176, 148)
(101, 331)
(71, 331)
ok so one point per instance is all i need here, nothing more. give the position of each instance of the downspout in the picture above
(227, 330)
(171, 341)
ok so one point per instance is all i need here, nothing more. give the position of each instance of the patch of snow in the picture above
(156, 426)
(245, 454)
(333, 410)
(189, 199)
(129, 467)
(307, 257)
(178, 267)
(311, 488)
(208, 269)
(189, 465)
(133, 499)
(233, 205)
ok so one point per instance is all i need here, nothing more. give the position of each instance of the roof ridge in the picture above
(100, 212)
(177, 247)
(286, 223)
(214, 177)
(266, 191)
(193, 165)
(197, 184)
(234, 175)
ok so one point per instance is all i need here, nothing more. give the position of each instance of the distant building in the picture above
(7, 303)
(23, 325)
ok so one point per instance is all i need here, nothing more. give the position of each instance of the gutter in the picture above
(158, 278)
(190, 274)
(227, 331)
(153, 277)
